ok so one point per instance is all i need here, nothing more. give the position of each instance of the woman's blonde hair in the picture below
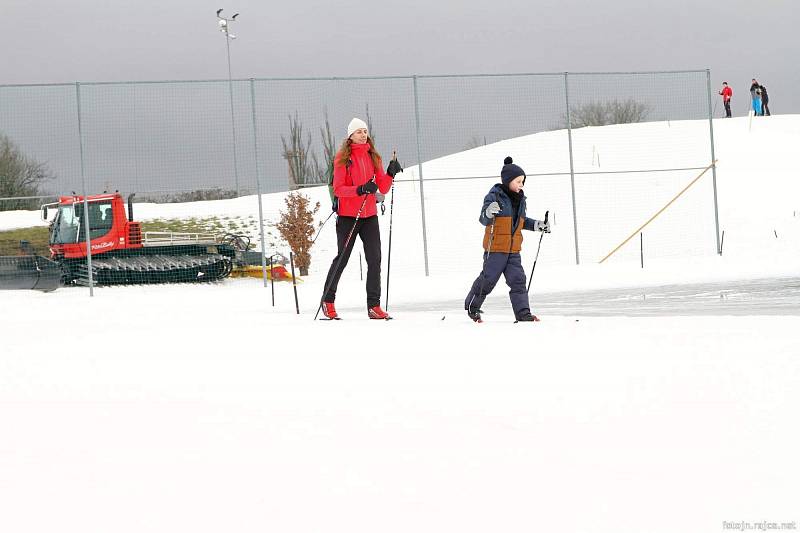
(344, 154)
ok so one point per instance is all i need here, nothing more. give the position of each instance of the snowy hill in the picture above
(205, 408)
(758, 193)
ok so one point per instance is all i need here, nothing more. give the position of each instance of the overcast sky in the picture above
(113, 40)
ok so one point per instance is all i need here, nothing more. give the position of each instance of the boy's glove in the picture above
(542, 225)
(492, 209)
(369, 187)
(393, 168)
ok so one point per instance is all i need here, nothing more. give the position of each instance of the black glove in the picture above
(369, 187)
(393, 168)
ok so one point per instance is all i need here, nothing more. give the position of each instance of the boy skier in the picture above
(503, 214)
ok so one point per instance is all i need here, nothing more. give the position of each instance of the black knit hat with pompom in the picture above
(510, 171)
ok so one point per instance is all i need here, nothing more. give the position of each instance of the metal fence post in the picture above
(258, 183)
(571, 170)
(713, 160)
(88, 229)
(421, 180)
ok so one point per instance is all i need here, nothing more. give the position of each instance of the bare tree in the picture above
(475, 141)
(304, 168)
(605, 113)
(370, 129)
(328, 148)
(20, 175)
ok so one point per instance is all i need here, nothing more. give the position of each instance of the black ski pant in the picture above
(765, 108)
(494, 265)
(370, 233)
(727, 109)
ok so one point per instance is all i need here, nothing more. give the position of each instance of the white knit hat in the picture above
(354, 125)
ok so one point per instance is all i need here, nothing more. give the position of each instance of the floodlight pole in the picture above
(224, 27)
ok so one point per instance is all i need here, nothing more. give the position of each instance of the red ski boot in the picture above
(329, 311)
(376, 313)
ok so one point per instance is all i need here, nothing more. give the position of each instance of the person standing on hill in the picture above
(357, 177)
(764, 101)
(726, 93)
(755, 95)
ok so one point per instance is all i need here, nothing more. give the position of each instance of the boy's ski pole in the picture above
(485, 258)
(546, 213)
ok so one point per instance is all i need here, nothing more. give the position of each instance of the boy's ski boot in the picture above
(527, 317)
(475, 315)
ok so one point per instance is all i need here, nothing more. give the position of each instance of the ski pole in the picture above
(389, 258)
(485, 258)
(342, 254)
(321, 227)
(530, 280)
(294, 283)
(272, 279)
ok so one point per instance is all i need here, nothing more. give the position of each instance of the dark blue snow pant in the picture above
(495, 264)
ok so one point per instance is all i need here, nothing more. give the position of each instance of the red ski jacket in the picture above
(347, 178)
(726, 93)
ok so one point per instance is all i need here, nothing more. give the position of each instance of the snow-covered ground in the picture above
(205, 408)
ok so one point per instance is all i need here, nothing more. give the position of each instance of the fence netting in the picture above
(603, 153)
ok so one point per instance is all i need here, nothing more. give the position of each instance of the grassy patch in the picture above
(37, 236)
(181, 225)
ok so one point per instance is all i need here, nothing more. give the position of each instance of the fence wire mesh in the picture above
(172, 144)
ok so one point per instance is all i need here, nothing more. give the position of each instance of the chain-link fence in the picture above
(178, 143)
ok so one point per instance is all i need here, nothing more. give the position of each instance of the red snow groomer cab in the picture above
(121, 253)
